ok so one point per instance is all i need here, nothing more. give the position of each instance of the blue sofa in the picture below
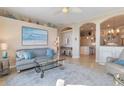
(112, 66)
(39, 53)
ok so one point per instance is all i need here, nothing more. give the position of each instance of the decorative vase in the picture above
(4, 54)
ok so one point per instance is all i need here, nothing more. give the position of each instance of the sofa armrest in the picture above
(111, 59)
(55, 56)
(18, 59)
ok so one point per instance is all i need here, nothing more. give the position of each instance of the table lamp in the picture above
(4, 50)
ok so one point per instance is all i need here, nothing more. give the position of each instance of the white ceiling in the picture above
(48, 14)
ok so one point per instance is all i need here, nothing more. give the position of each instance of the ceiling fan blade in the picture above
(75, 10)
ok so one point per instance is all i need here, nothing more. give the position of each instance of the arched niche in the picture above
(87, 34)
(112, 31)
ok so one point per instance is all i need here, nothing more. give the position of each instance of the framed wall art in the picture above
(34, 36)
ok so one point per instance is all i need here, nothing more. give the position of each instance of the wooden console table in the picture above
(67, 51)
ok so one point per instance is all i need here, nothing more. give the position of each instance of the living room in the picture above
(34, 43)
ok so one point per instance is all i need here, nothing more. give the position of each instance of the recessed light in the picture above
(109, 31)
(118, 30)
(112, 31)
(65, 10)
(87, 37)
(108, 25)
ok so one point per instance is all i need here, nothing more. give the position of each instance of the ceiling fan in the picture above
(67, 10)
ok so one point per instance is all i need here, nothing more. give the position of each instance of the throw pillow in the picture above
(20, 55)
(28, 55)
(50, 53)
(120, 62)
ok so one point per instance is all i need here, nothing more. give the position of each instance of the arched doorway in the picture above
(88, 39)
(66, 42)
(112, 31)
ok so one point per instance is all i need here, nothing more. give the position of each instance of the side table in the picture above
(4, 66)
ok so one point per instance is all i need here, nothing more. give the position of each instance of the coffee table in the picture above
(119, 79)
(46, 62)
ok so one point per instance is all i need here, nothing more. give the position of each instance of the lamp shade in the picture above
(3, 46)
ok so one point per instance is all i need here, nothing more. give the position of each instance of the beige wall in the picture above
(10, 32)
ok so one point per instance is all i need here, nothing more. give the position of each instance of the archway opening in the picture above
(66, 42)
(112, 31)
(88, 40)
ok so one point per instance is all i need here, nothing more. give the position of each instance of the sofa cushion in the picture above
(120, 62)
(50, 53)
(25, 62)
(19, 54)
(28, 55)
(113, 68)
(31, 61)
(42, 59)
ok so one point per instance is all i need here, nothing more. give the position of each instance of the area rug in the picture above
(73, 74)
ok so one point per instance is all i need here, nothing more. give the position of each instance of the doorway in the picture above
(88, 40)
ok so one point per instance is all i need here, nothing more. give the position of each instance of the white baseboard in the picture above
(101, 63)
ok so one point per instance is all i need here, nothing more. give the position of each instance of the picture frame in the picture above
(34, 36)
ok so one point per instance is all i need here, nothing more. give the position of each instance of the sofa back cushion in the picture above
(35, 51)
(50, 53)
(28, 55)
(39, 51)
(120, 62)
